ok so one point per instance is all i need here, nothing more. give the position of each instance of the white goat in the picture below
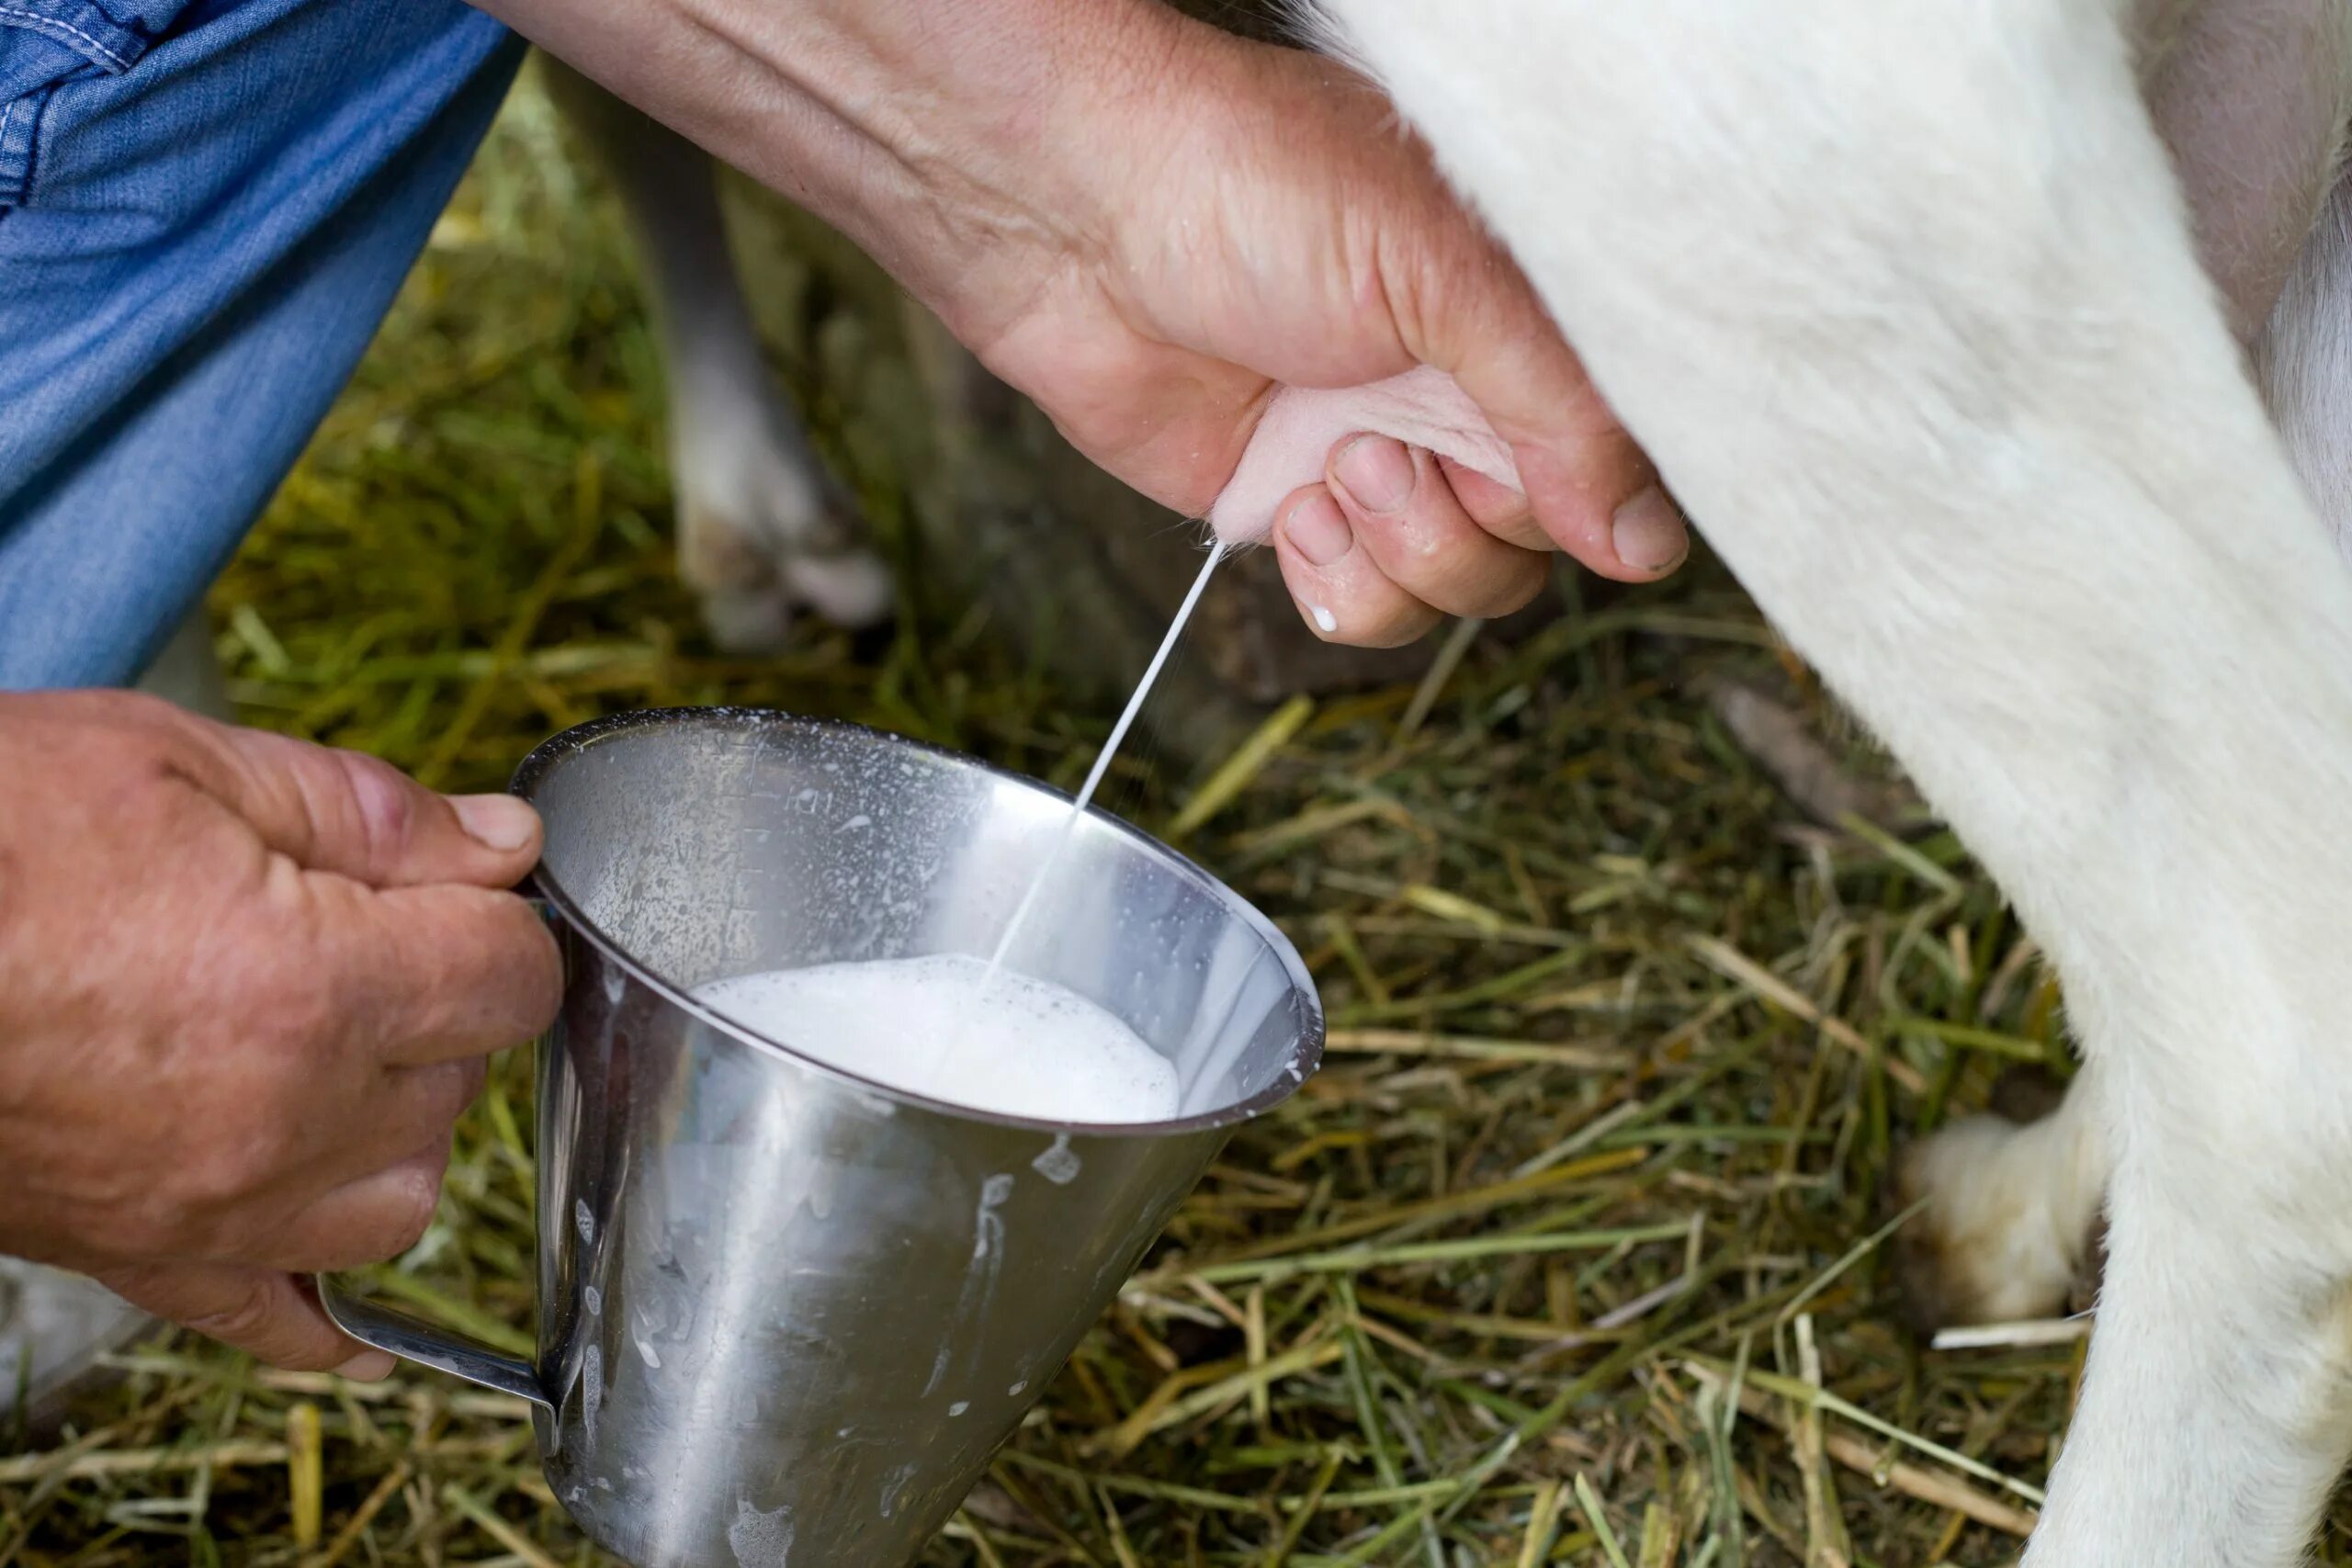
(1906, 302)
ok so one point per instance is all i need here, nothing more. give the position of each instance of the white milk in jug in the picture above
(949, 1029)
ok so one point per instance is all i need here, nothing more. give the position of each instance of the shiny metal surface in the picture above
(787, 1316)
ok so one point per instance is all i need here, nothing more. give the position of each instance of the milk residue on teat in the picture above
(948, 1029)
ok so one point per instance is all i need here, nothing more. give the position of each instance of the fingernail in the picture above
(1319, 530)
(368, 1366)
(1648, 534)
(1377, 473)
(500, 821)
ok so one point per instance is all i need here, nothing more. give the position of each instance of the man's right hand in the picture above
(246, 987)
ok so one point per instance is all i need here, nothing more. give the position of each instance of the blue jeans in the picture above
(206, 207)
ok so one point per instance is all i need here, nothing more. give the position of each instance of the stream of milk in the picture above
(1103, 761)
(970, 1033)
(948, 1028)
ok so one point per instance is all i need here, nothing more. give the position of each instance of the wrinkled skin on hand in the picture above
(1149, 227)
(246, 985)
(1281, 228)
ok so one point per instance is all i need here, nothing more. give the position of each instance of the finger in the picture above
(1590, 490)
(408, 1109)
(338, 811)
(1405, 514)
(272, 1314)
(1496, 507)
(370, 1220)
(1590, 487)
(1636, 540)
(1339, 588)
(440, 974)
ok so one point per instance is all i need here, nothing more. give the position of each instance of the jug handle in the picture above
(412, 1339)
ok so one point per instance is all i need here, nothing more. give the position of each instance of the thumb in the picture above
(355, 815)
(1592, 490)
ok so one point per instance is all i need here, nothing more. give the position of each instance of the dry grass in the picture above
(1566, 1256)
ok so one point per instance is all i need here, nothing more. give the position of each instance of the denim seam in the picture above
(19, 132)
(35, 20)
(12, 180)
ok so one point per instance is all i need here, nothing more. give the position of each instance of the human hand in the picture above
(246, 985)
(1151, 226)
(1265, 224)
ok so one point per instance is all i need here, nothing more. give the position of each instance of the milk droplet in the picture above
(582, 1218)
(892, 1485)
(759, 1540)
(595, 1299)
(1057, 1164)
(960, 1406)
(1014, 1390)
(592, 1389)
(1324, 620)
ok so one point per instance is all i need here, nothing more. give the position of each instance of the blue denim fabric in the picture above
(206, 207)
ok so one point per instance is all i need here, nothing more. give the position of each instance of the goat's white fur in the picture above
(2010, 1214)
(1904, 302)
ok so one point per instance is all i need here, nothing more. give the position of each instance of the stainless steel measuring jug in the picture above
(786, 1314)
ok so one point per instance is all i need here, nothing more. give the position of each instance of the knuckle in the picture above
(1407, 627)
(214, 1182)
(141, 715)
(287, 977)
(455, 1088)
(134, 1282)
(412, 1199)
(518, 983)
(1511, 595)
(243, 1312)
(1498, 510)
(383, 806)
(246, 1149)
(538, 969)
(428, 1117)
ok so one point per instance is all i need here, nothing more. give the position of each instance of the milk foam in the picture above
(946, 1028)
